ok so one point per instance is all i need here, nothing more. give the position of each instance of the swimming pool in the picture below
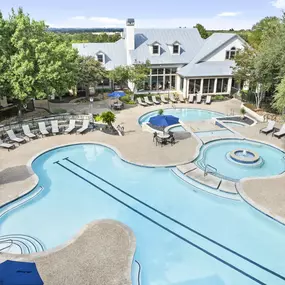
(177, 129)
(216, 154)
(184, 114)
(234, 124)
(184, 236)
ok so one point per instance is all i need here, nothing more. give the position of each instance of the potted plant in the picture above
(108, 118)
(160, 111)
(243, 112)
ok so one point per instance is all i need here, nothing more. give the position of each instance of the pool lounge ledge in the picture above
(101, 253)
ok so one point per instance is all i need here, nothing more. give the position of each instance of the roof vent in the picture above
(130, 22)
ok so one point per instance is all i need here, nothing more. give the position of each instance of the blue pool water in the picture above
(184, 114)
(273, 162)
(196, 238)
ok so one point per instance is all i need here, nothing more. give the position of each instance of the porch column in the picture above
(178, 83)
(230, 85)
(185, 88)
(202, 84)
(215, 85)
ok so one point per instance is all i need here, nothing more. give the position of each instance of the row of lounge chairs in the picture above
(271, 129)
(172, 99)
(43, 131)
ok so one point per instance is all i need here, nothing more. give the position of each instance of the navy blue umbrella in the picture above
(117, 94)
(19, 273)
(163, 120)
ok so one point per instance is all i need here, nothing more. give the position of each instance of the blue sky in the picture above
(213, 14)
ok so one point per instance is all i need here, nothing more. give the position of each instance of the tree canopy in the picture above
(203, 32)
(138, 74)
(120, 75)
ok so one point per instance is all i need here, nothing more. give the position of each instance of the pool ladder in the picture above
(210, 169)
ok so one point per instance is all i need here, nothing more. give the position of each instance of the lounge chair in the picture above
(148, 101)
(199, 99)
(71, 127)
(172, 99)
(14, 138)
(269, 128)
(7, 145)
(154, 100)
(54, 127)
(191, 98)
(43, 129)
(280, 133)
(181, 99)
(141, 102)
(208, 99)
(85, 127)
(27, 132)
(163, 100)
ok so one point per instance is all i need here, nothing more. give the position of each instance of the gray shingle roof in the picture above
(208, 68)
(190, 41)
(115, 53)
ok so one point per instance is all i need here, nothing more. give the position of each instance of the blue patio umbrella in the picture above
(163, 120)
(19, 273)
(117, 94)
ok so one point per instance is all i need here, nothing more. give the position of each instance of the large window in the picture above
(222, 85)
(194, 86)
(208, 86)
(230, 54)
(155, 49)
(176, 49)
(161, 79)
(100, 57)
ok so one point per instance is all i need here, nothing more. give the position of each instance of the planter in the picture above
(252, 114)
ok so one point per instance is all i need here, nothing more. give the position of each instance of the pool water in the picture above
(184, 114)
(224, 132)
(177, 129)
(234, 124)
(215, 154)
(184, 236)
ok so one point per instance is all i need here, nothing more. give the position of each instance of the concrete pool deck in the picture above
(16, 178)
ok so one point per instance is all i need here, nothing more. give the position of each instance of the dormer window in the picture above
(155, 49)
(230, 54)
(101, 57)
(176, 49)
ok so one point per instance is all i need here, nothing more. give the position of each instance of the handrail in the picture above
(214, 169)
(5, 241)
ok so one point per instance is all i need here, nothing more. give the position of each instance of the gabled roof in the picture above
(115, 53)
(190, 40)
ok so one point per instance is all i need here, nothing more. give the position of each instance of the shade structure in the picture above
(117, 94)
(163, 120)
(19, 273)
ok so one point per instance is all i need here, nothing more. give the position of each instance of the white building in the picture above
(181, 61)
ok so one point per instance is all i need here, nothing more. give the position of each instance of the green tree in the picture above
(108, 118)
(138, 73)
(120, 75)
(279, 97)
(203, 32)
(91, 72)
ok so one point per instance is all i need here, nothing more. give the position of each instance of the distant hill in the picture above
(86, 30)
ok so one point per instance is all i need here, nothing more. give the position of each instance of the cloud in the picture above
(78, 18)
(280, 4)
(228, 14)
(107, 21)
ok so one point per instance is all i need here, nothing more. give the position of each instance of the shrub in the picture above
(108, 118)
(97, 118)
(242, 111)
(127, 99)
(218, 98)
(160, 111)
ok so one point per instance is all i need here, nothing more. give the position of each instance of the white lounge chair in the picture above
(54, 127)
(141, 102)
(27, 132)
(71, 127)
(6, 145)
(191, 98)
(163, 100)
(181, 99)
(172, 99)
(85, 126)
(269, 128)
(280, 133)
(148, 101)
(154, 100)
(199, 98)
(43, 129)
(208, 100)
(14, 138)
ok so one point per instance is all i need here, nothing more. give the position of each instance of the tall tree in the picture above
(203, 32)
(120, 75)
(91, 72)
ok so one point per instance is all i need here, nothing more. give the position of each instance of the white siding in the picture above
(220, 54)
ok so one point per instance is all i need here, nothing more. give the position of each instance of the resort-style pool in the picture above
(184, 236)
(184, 114)
(217, 154)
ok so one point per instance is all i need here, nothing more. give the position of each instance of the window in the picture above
(230, 54)
(100, 57)
(222, 85)
(155, 49)
(176, 49)
(163, 78)
(194, 86)
(104, 82)
(208, 86)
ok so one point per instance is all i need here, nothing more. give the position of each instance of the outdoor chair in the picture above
(27, 132)
(54, 127)
(148, 101)
(163, 100)
(181, 99)
(43, 129)
(154, 100)
(269, 128)
(141, 102)
(279, 134)
(6, 145)
(84, 128)
(172, 99)
(154, 136)
(191, 98)
(208, 100)
(71, 127)
(199, 99)
(14, 138)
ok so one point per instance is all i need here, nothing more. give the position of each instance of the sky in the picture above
(213, 14)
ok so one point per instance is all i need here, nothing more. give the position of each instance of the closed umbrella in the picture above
(163, 120)
(117, 94)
